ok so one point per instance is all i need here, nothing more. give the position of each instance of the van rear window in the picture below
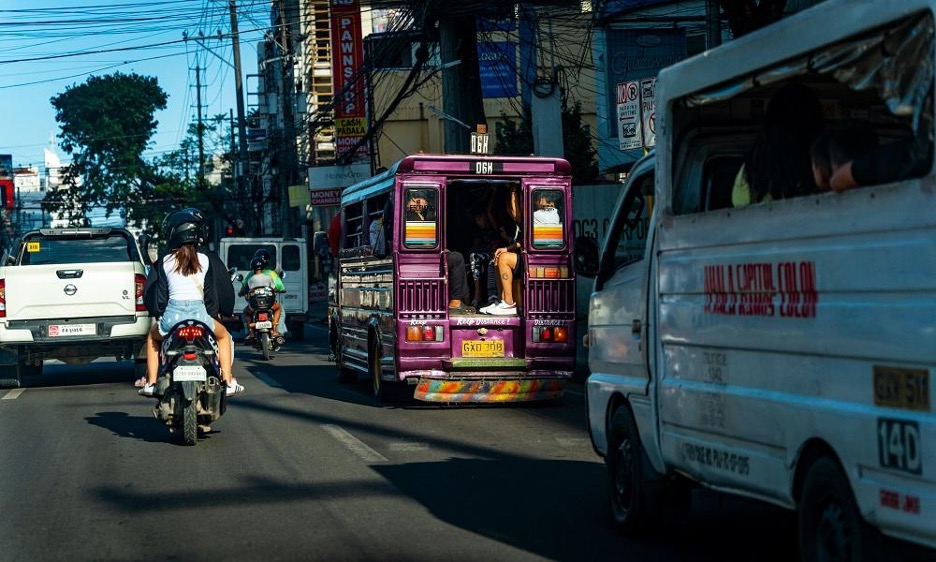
(239, 255)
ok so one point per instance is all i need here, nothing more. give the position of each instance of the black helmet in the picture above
(256, 264)
(186, 226)
(263, 256)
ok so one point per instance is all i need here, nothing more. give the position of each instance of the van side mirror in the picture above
(585, 259)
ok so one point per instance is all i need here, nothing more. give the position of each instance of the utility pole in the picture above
(461, 84)
(201, 130)
(287, 168)
(243, 158)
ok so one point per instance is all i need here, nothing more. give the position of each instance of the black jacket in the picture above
(219, 290)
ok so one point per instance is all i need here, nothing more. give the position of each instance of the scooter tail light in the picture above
(189, 333)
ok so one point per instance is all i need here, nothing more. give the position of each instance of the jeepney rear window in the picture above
(421, 217)
(548, 218)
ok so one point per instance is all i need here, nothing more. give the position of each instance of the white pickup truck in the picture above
(72, 294)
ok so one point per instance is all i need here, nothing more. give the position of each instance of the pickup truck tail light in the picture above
(140, 281)
(2, 298)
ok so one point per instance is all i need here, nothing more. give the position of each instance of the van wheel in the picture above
(633, 486)
(296, 330)
(830, 525)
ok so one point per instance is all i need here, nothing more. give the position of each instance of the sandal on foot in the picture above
(140, 382)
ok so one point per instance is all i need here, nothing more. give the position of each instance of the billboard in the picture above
(497, 65)
(348, 63)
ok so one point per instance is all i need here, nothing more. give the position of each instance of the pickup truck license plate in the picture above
(64, 330)
(189, 373)
(261, 325)
(483, 348)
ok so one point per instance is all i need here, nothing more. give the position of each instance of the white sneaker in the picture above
(233, 388)
(487, 309)
(504, 309)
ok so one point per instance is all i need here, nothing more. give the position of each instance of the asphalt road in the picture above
(304, 468)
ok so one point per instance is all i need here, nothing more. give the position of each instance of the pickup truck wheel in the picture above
(830, 525)
(10, 376)
(633, 488)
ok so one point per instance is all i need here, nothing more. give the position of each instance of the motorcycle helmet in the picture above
(186, 226)
(257, 263)
(263, 256)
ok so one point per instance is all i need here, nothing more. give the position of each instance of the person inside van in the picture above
(779, 165)
(546, 211)
(837, 146)
(907, 158)
(481, 258)
(418, 209)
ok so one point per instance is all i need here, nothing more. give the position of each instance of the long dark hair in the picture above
(186, 257)
(779, 164)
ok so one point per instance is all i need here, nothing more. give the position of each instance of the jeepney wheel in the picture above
(633, 497)
(383, 390)
(830, 525)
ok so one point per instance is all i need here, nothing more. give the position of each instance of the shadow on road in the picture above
(122, 424)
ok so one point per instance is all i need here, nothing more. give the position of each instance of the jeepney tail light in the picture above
(2, 298)
(424, 333)
(558, 334)
(139, 281)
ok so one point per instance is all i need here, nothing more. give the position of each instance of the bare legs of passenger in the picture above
(506, 263)
(277, 313)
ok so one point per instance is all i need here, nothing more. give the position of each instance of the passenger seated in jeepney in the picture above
(418, 208)
(507, 262)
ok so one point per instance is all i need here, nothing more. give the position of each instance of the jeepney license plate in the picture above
(483, 348)
(903, 388)
(189, 373)
(261, 325)
(64, 330)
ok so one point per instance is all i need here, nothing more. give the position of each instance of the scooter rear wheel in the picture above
(265, 345)
(189, 424)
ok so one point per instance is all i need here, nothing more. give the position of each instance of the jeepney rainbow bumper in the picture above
(489, 386)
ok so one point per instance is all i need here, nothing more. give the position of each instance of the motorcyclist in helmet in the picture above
(261, 276)
(188, 282)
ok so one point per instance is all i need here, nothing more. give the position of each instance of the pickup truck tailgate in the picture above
(70, 290)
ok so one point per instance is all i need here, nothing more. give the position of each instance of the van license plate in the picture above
(65, 330)
(189, 373)
(483, 348)
(261, 325)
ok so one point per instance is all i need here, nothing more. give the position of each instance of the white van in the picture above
(781, 350)
(289, 256)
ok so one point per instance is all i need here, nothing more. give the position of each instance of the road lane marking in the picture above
(267, 379)
(573, 442)
(13, 394)
(354, 444)
(408, 446)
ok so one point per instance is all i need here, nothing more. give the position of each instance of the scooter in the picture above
(261, 301)
(190, 391)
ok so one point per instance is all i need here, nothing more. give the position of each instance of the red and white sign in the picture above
(347, 58)
(628, 116)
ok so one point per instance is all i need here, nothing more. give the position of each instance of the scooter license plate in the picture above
(189, 373)
(261, 325)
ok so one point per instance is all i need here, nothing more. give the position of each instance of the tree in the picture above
(106, 124)
(516, 139)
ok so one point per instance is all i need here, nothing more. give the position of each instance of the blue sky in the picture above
(48, 45)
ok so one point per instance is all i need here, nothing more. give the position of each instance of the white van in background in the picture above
(783, 350)
(289, 257)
